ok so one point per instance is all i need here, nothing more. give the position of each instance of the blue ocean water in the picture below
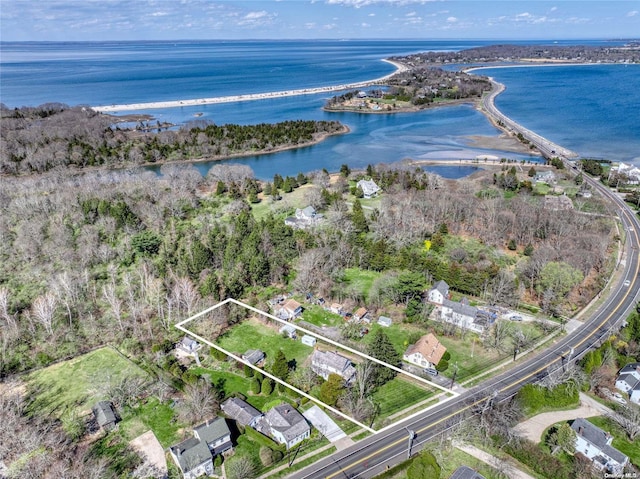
(591, 109)
(543, 99)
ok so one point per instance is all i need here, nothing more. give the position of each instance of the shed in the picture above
(105, 415)
(385, 321)
(288, 330)
(308, 340)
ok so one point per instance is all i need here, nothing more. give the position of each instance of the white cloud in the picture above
(632, 13)
(553, 9)
(452, 19)
(366, 3)
(253, 19)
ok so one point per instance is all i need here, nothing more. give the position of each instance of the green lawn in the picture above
(154, 415)
(620, 439)
(252, 334)
(397, 395)
(284, 207)
(78, 383)
(318, 316)
(360, 279)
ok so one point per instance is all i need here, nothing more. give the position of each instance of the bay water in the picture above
(592, 109)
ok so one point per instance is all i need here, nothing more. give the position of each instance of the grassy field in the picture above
(75, 385)
(284, 207)
(397, 395)
(152, 415)
(318, 316)
(253, 334)
(360, 279)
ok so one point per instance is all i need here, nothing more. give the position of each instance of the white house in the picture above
(324, 363)
(194, 456)
(595, 443)
(361, 315)
(304, 218)
(426, 352)
(308, 340)
(628, 381)
(368, 187)
(188, 345)
(289, 330)
(286, 425)
(548, 177)
(289, 310)
(438, 293)
(462, 315)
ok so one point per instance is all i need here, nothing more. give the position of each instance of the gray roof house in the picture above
(595, 444)
(438, 293)
(215, 434)
(304, 218)
(324, 363)
(193, 457)
(368, 187)
(253, 356)
(628, 381)
(286, 425)
(243, 412)
(105, 415)
(188, 345)
(462, 315)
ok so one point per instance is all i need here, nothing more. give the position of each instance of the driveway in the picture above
(533, 428)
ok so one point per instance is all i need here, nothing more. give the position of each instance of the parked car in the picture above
(627, 283)
(617, 397)
(431, 371)
(515, 317)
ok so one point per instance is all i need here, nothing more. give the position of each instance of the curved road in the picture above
(373, 455)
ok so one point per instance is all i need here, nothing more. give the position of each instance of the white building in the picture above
(462, 315)
(324, 363)
(308, 340)
(628, 381)
(438, 293)
(368, 187)
(286, 425)
(595, 443)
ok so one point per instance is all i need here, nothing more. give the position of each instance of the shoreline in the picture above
(400, 67)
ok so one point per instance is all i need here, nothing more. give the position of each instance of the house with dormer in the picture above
(628, 381)
(595, 444)
(194, 456)
(286, 425)
(324, 363)
(438, 293)
(289, 310)
(426, 352)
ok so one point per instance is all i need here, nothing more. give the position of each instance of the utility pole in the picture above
(455, 373)
(516, 350)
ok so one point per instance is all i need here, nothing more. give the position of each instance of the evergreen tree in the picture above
(220, 188)
(345, 170)
(248, 371)
(358, 218)
(267, 189)
(256, 386)
(280, 366)
(267, 386)
(381, 348)
(301, 179)
(277, 181)
(532, 172)
(332, 389)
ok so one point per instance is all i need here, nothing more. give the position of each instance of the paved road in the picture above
(371, 456)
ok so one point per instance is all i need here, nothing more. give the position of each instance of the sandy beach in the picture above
(248, 97)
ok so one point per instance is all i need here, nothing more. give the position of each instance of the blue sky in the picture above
(80, 20)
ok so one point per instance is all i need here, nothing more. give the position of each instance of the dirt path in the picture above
(501, 465)
(533, 428)
(149, 448)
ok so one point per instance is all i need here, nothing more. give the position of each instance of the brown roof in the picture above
(291, 305)
(361, 312)
(430, 348)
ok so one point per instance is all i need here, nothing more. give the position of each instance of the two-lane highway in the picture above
(371, 456)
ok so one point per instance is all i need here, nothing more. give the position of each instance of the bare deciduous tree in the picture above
(43, 310)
